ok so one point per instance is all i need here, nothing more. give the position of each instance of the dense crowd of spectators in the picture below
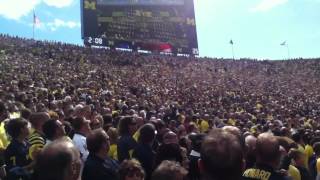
(69, 112)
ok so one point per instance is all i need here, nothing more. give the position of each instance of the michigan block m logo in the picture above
(90, 5)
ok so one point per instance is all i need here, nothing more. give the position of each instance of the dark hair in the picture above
(196, 141)
(14, 127)
(124, 125)
(171, 152)
(130, 166)
(3, 111)
(168, 170)
(107, 122)
(96, 139)
(77, 123)
(3, 108)
(107, 119)
(222, 155)
(49, 129)
(147, 133)
(68, 128)
(52, 163)
(316, 148)
(113, 135)
(183, 142)
(38, 118)
(25, 113)
(296, 137)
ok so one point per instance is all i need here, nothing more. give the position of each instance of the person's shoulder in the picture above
(261, 173)
(92, 162)
(12, 147)
(35, 137)
(111, 163)
(294, 172)
(78, 138)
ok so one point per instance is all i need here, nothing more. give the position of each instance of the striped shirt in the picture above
(36, 142)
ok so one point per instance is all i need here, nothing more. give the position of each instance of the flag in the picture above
(36, 20)
(231, 42)
(284, 43)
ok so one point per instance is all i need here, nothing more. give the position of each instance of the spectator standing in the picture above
(17, 153)
(126, 143)
(143, 151)
(60, 160)
(221, 156)
(36, 138)
(53, 129)
(268, 159)
(98, 165)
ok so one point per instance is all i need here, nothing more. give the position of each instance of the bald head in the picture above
(268, 149)
(251, 142)
(60, 160)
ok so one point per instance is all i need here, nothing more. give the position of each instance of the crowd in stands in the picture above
(69, 113)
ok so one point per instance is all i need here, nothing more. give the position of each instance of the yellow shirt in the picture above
(308, 151)
(231, 122)
(4, 142)
(113, 151)
(36, 142)
(259, 106)
(136, 135)
(204, 126)
(294, 173)
(301, 149)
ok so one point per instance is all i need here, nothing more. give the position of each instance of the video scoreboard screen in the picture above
(153, 25)
(140, 2)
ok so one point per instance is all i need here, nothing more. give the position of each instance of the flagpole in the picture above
(288, 51)
(33, 31)
(33, 25)
(232, 48)
(232, 51)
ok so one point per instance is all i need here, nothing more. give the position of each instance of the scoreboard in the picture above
(153, 25)
(141, 2)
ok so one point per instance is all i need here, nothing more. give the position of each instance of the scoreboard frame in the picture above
(92, 36)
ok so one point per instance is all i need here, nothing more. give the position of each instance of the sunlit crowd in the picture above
(69, 112)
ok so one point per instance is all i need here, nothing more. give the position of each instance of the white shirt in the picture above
(80, 142)
(195, 153)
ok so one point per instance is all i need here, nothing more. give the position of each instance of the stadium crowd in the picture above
(69, 112)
